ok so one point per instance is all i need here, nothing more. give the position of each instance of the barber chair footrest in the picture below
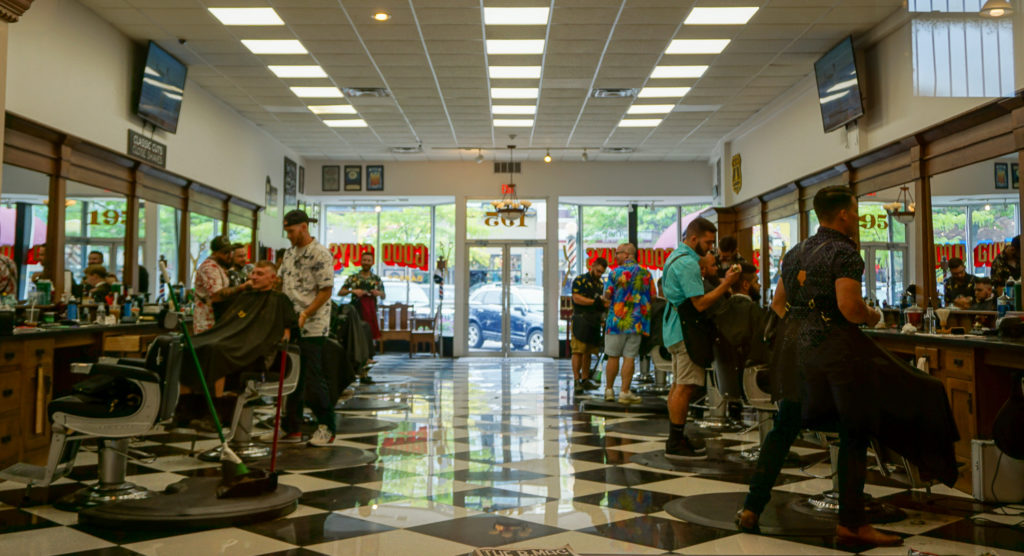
(98, 494)
(25, 473)
(719, 424)
(248, 451)
(828, 503)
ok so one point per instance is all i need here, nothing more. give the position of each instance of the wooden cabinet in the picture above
(37, 391)
(962, 401)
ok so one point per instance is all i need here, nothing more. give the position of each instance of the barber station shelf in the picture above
(192, 503)
(369, 404)
(783, 516)
(655, 427)
(301, 457)
(648, 405)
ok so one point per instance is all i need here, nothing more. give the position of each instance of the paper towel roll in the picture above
(922, 364)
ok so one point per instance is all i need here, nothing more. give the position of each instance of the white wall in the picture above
(70, 69)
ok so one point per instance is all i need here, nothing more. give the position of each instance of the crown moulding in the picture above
(11, 10)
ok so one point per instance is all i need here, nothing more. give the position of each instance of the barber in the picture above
(683, 283)
(307, 277)
(819, 297)
(212, 285)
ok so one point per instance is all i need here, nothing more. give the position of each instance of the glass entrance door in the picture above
(505, 299)
(884, 272)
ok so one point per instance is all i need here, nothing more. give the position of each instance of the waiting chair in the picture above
(395, 324)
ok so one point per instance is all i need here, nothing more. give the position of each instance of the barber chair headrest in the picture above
(1011, 327)
(170, 320)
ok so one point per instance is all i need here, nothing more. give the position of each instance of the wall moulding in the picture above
(12, 10)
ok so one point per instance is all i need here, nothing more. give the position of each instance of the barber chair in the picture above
(656, 383)
(121, 399)
(257, 386)
(725, 386)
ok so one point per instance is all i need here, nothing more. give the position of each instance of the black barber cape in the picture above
(829, 365)
(249, 331)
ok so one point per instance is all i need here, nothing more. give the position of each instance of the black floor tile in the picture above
(294, 552)
(90, 472)
(14, 520)
(315, 529)
(624, 476)
(109, 551)
(937, 503)
(346, 497)
(602, 441)
(497, 474)
(991, 535)
(629, 499)
(743, 477)
(490, 499)
(666, 534)
(175, 437)
(362, 474)
(496, 456)
(610, 457)
(486, 530)
(38, 496)
(128, 536)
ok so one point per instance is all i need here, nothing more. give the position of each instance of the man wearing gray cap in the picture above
(307, 277)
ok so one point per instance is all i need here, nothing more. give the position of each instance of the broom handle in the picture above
(277, 412)
(202, 377)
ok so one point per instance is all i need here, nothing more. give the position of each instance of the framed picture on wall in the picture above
(375, 178)
(331, 176)
(302, 180)
(271, 200)
(291, 182)
(353, 178)
(1015, 175)
(1002, 175)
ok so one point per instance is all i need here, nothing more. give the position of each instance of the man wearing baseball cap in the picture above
(212, 286)
(307, 278)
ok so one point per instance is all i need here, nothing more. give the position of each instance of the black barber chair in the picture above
(724, 387)
(655, 383)
(120, 400)
(257, 385)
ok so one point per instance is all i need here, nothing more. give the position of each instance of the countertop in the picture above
(31, 333)
(949, 340)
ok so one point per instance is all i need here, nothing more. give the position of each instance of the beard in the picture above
(700, 250)
(367, 267)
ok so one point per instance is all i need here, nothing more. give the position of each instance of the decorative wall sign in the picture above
(375, 178)
(737, 174)
(271, 200)
(291, 182)
(331, 178)
(302, 180)
(493, 218)
(147, 149)
(948, 251)
(651, 259)
(406, 255)
(1002, 175)
(353, 178)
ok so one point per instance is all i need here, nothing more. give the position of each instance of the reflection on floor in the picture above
(488, 454)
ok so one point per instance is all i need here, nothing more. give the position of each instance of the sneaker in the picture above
(282, 437)
(589, 384)
(609, 395)
(322, 437)
(682, 450)
(577, 387)
(367, 379)
(629, 398)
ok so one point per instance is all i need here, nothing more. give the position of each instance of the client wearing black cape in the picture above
(247, 337)
(828, 375)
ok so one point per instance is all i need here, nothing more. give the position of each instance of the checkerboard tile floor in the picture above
(489, 453)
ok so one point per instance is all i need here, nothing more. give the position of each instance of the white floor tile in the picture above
(817, 486)
(229, 541)
(405, 514)
(919, 523)
(757, 544)
(584, 543)
(567, 514)
(941, 546)
(393, 542)
(50, 540)
(53, 514)
(691, 486)
(305, 483)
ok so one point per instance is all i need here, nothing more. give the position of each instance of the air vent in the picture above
(617, 150)
(508, 168)
(407, 150)
(366, 92)
(614, 93)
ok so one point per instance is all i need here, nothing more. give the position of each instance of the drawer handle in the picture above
(5, 439)
(8, 392)
(958, 362)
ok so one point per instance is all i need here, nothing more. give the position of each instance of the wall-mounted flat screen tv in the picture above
(838, 86)
(162, 85)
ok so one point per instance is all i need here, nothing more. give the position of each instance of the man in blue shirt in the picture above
(683, 284)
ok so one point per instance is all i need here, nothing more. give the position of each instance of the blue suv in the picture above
(527, 318)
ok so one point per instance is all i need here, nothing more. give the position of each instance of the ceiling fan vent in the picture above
(508, 168)
(618, 150)
(614, 93)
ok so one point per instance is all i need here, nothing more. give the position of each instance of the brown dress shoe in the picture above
(746, 521)
(866, 534)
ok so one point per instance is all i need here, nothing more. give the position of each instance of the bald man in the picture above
(629, 295)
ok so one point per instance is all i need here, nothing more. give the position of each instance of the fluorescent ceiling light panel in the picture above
(515, 16)
(247, 16)
(640, 123)
(528, 109)
(258, 46)
(333, 109)
(650, 109)
(720, 16)
(663, 92)
(346, 123)
(530, 46)
(514, 92)
(317, 92)
(678, 72)
(513, 123)
(514, 72)
(697, 46)
(286, 72)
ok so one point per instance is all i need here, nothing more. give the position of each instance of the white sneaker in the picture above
(609, 395)
(282, 437)
(322, 437)
(629, 397)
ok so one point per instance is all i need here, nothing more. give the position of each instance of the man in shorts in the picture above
(588, 304)
(683, 284)
(629, 297)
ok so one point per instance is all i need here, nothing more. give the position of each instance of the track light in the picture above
(996, 8)
(381, 15)
(479, 157)
(547, 157)
(584, 156)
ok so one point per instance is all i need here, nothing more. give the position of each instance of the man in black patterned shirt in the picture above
(587, 308)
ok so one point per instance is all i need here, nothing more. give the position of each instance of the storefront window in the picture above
(604, 229)
(240, 233)
(483, 222)
(949, 229)
(167, 240)
(992, 226)
(404, 256)
(444, 245)
(349, 230)
(782, 234)
(202, 229)
(23, 217)
(95, 222)
(569, 260)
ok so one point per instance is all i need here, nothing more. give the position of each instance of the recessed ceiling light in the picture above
(696, 46)
(285, 72)
(333, 109)
(678, 72)
(529, 109)
(247, 16)
(346, 123)
(514, 72)
(530, 46)
(514, 92)
(720, 16)
(640, 123)
(515, 16)
(650, 109)
(316, 92)
(381, 15)
(258, 46)
(513, 123)
(613, 93)
(663, 92)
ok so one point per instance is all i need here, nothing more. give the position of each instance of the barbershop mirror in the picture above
(975, 215)
(885, 249)
(346, 227)
(202, 229)
(163, 223)
(783, 234)
(402, 229)
(23, 216)
(95, 221)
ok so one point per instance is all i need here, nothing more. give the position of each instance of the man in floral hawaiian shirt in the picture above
(629, 294)
(8, 276)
